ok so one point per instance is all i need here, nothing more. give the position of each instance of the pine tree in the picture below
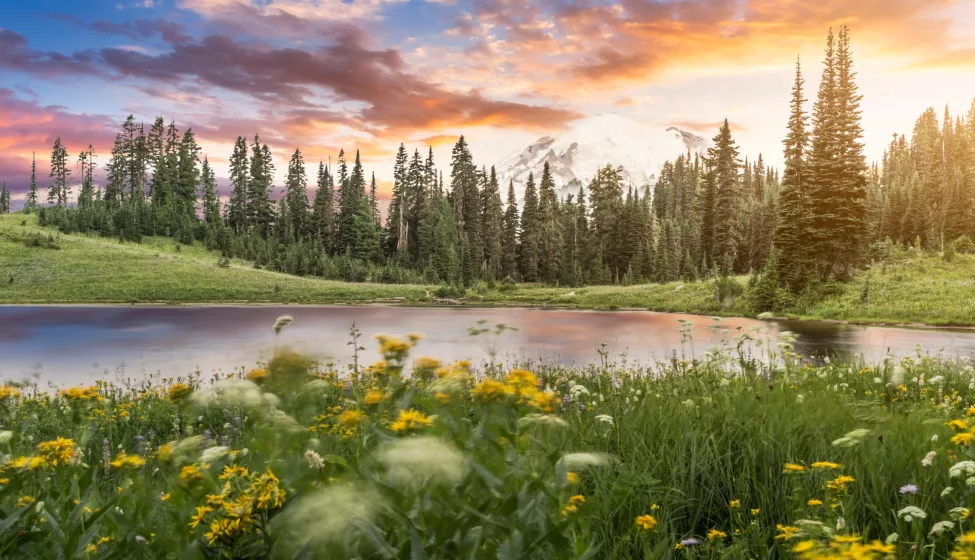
(550, 232)
(187, 179)
(850, 191)
(211, 199)
(296, 194)
(323, 209)
(58, 193)
(260, 213)
(373, 203)
(115, 176)
(792, 231)
(509, 241)
(4, 199)
(31, 200)
(492, 218)
(396, 218)
(239, 178)
(724, 160)
(528, 241)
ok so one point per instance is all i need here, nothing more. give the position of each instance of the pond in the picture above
(65, 345)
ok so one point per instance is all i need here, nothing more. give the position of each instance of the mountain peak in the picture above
(593, 142)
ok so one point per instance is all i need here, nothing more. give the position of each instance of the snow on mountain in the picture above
(591, 143)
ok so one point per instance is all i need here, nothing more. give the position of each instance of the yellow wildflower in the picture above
(190, 474)
(90, 549)
(24, 501)
(165, 497)
(646, 522)
(257, 375)
(569, 509)
(489, 390)
(804, 546)
(958, 425)
(201, 512)
(165, 452)
(125, 461)
(410, 420)
(444, 398)
(786, 532)
(577, 499)
(824, 465)
(792, 467)
(840, 483)
(82, 393)
(814, 502)
(846, 539)
(8, 392)
(964, 438)
(734, 503)
(756, 511)
(715, 534)
(231, 472)
(179, 391)
(350, 418)
(572, 477)
(373, 397)
(970, 411)
(57, 452)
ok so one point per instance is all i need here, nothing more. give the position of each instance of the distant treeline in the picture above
(705, 217)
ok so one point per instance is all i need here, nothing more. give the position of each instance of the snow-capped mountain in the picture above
(591, 143)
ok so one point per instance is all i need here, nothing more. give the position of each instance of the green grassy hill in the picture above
(100, 270)
(908, 288)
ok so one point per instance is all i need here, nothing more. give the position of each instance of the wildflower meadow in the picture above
(718, 456)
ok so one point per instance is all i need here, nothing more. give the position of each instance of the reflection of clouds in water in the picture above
(138, 341)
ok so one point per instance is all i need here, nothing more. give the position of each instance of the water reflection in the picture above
(78, 344)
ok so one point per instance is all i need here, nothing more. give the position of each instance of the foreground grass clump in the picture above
(718, 457)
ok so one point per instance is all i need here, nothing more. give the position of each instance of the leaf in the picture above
(375, 537)
(416, 545)
(12, 518)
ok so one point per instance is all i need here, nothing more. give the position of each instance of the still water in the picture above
(66, 345)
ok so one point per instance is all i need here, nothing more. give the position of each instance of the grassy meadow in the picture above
(906, 288)
(719, 457)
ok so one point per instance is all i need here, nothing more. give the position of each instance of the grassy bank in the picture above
(720, 458)
(80, 269)
(908, 288)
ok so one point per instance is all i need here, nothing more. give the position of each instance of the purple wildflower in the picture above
(908, 489)
(690, 542)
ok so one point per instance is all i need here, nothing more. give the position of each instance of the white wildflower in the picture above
(577, 461)
(214, 453)
(324, 517)
(689, 403)
(959, 513)
(937, 379)
(840, 523)
(897, 376)
(878, 380)
(413, 462)
(282, 322)
(851, 439)
(725, 382)
(928, 459)
(6, 436)
(963, 468)
(230, 392)
(892, 538)
(314, 459)
(941, 527)
(542, 420)
(800, 398)
(910, 513)
(934, 438)
(605, 418)
(947, 491)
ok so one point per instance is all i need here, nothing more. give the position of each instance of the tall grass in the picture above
(719, 456)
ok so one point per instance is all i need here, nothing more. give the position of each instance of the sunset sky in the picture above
(329, 74)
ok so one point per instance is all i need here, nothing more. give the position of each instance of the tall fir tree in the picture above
(31, 203)
(237, 215)
(296, 193)
(509, 241)
(528, 242)
(792, 231)
(58, 193)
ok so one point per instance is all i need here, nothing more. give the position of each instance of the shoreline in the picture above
(492, 305)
